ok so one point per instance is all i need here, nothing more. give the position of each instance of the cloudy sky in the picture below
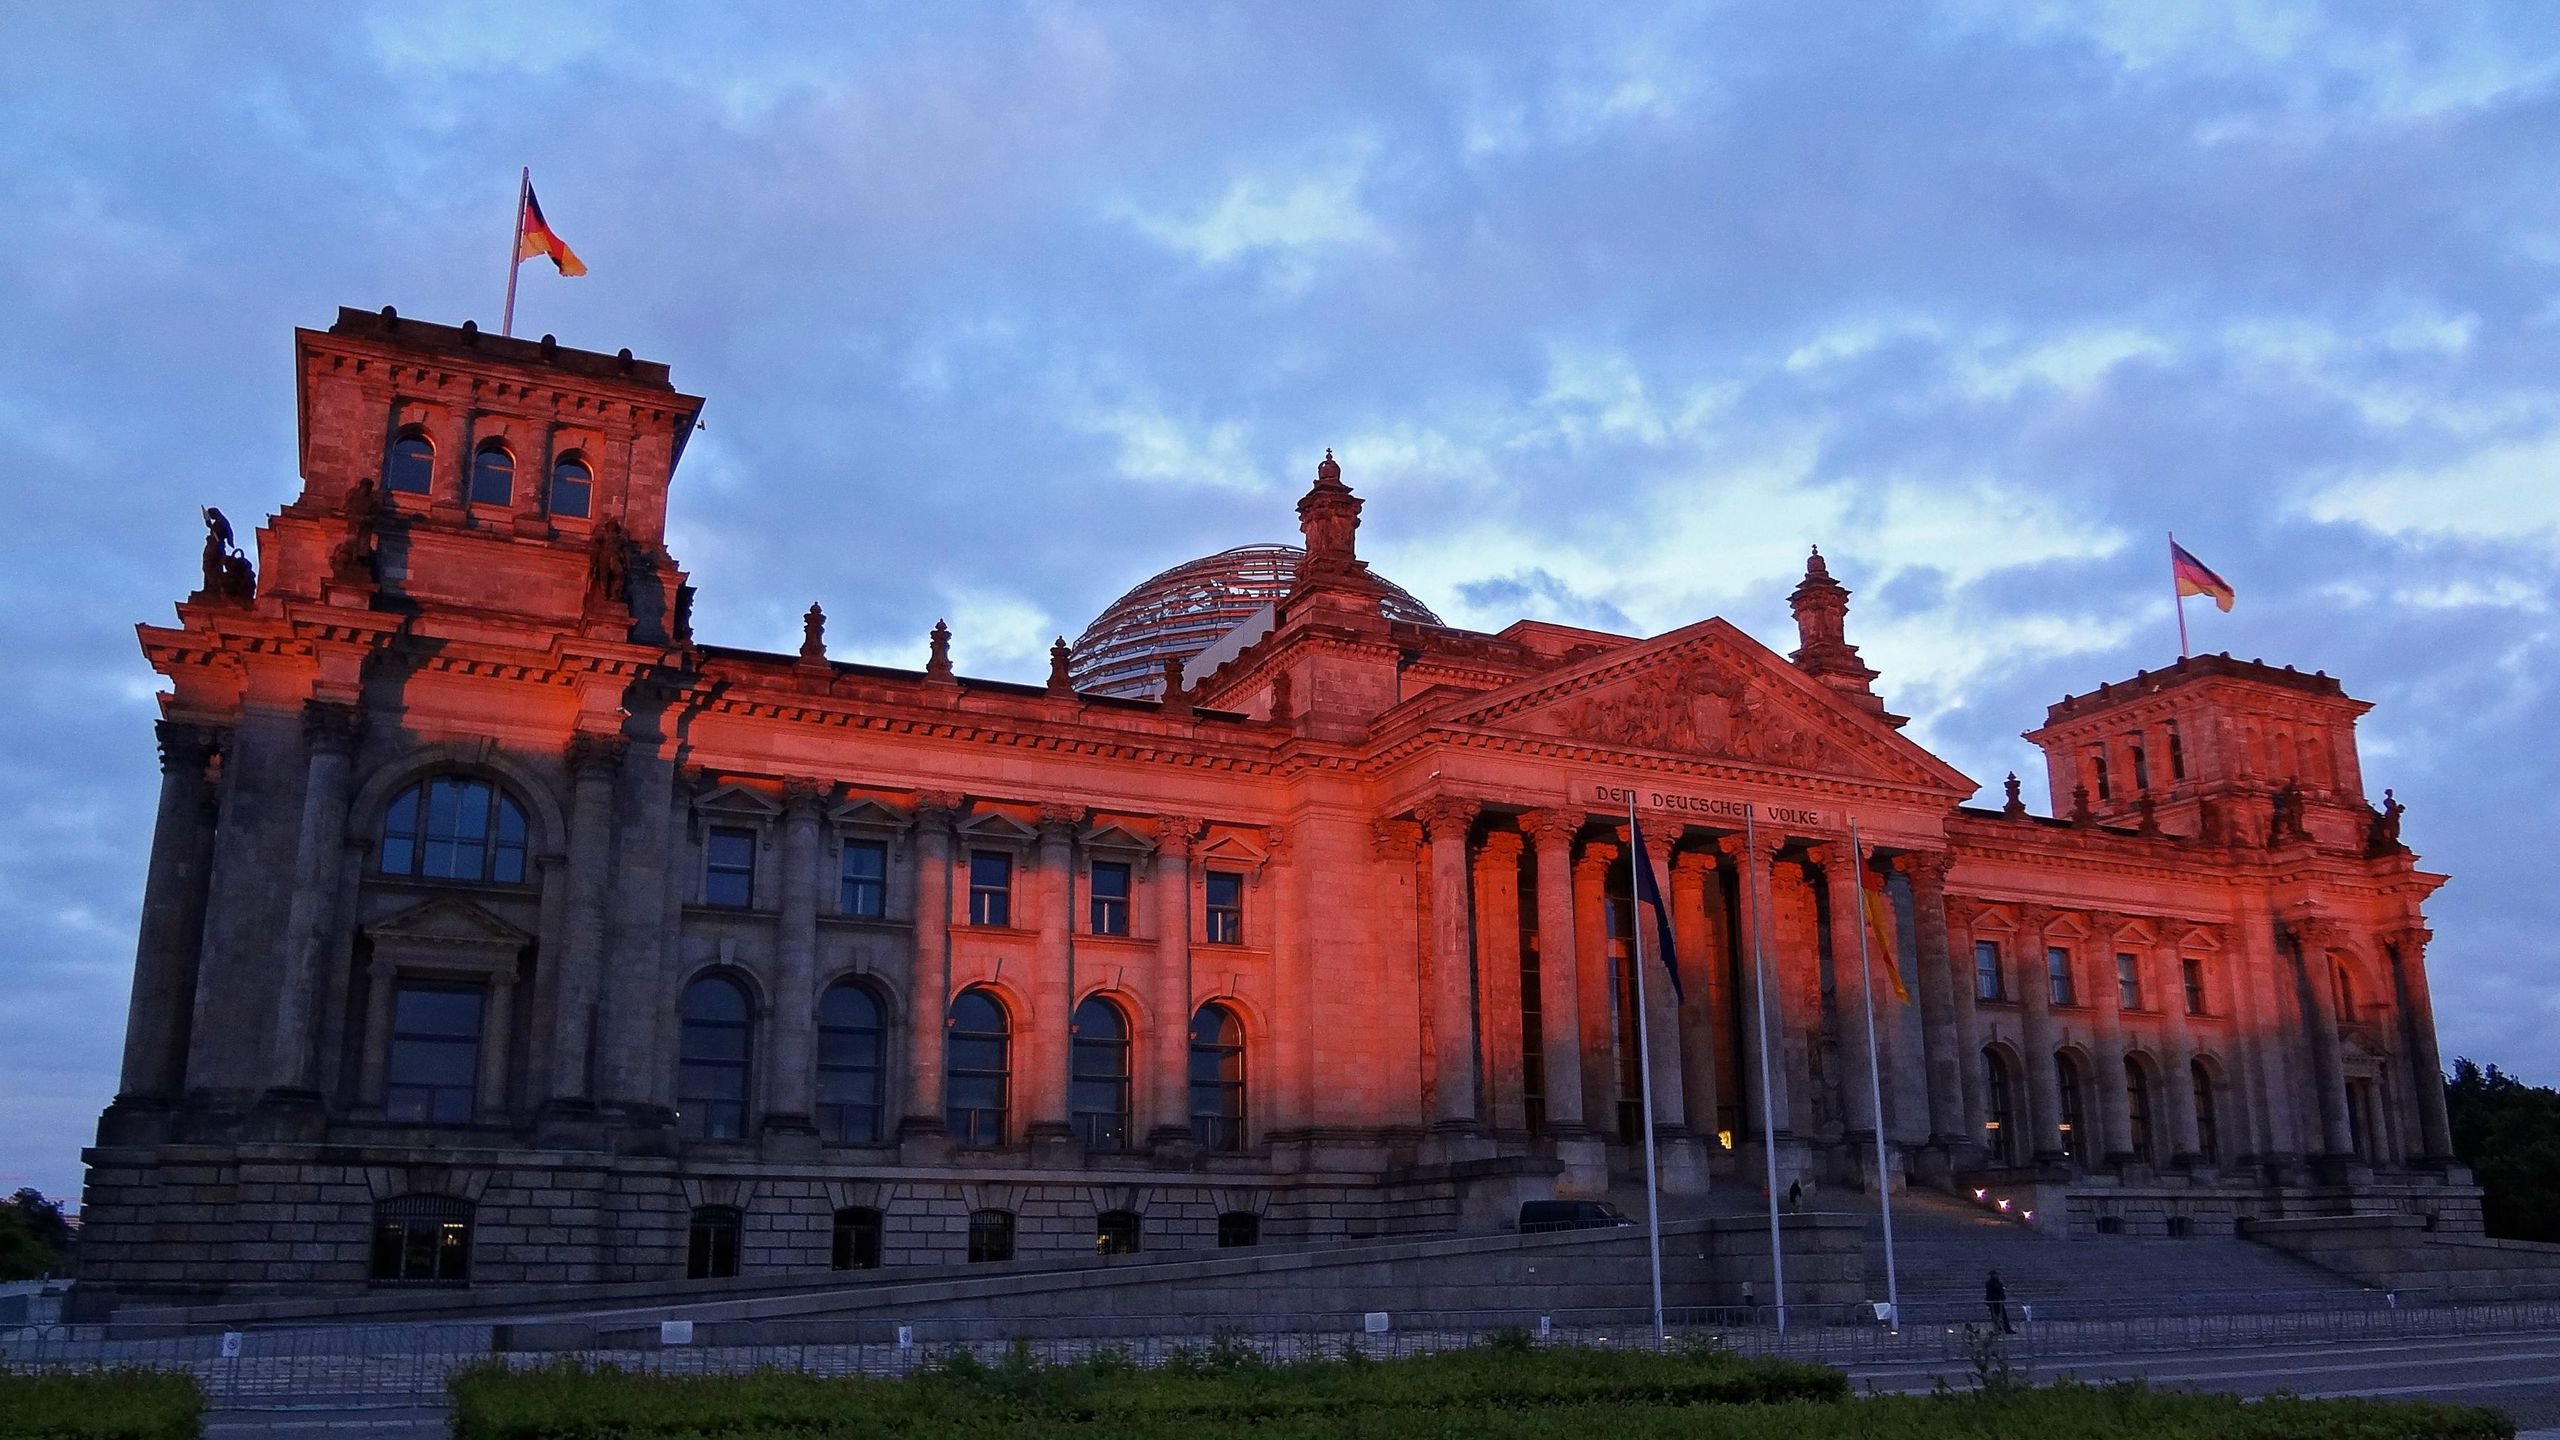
(1609, 310)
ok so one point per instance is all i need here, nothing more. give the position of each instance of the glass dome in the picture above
(1189, 608)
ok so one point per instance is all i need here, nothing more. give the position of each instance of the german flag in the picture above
(1880, 928)
(534, 236)
(2195, 578)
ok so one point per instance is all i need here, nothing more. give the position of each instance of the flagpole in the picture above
(515, 252)
(1760, 992)
(1644, 1062)
(2177, 596)
(1875, 1077)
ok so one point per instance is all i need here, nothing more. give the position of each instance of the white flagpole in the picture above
(2177, 595)
(515, 259)
(1875, 1079)
(1644, 1062)
(1760, 992)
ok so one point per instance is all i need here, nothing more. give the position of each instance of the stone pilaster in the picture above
(1497, 896)
(1592, 986)
(636, 1056)
(2178, 1040)
(2418, 1013)
(2312, 940)
(1397, 844)
(1445, 823)
(594, 762)
(2043, 1079)
(2114, 1104)
(1692, 880)
(1946, 1027)
(792, 1075)
(1559, 1006)
(1052, 978)
(929, 970)
(329, 733)
(173, 897)
(1168, 1047)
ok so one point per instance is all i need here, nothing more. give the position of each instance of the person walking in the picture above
(1996, 1296)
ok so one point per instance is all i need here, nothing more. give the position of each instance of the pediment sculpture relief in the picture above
(1701, 708)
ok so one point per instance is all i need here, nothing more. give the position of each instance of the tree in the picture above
(2508, 1132)
(34, 1238)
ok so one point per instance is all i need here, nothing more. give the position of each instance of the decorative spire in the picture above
(813, 635)
(1821, 605)
(2013, 807)
(1329, 515)
(939, 666)
(1059, 684)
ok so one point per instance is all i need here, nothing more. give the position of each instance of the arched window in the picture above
(1115, 1232)
(852, 1049)
(493, 475)
(1098, 1095)
(711, 1243)
(2000, 1125)
(1217, 1079)
(714, 1049)
(2208, 1126)
(452, 827)
(990, 1236)
(409, 466)
(2346, 992)
(422, 1239)
(571, 486)
(977, 1070)
(2137, 1109)
(857, 1238)
(2074, 1137)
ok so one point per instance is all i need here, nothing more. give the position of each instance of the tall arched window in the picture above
(1098, 1095)
(714, 1051)
(571, 485)
(2208, 1126)
(409, 466)
(2000, 1125)
(2137, 1109)
(852, 1046)
(2346, 992)
(1217, 1079)
(452, 827)
(493, 475)
(2074, 1136)
(977, 1068)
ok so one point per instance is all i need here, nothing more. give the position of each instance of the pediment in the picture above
(738, 799)
(996, 825)
(868, 814)
(1710, 692)
(1231, 848)
(446, 922)
(1112, 835)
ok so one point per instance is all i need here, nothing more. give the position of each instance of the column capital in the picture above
(1598, 854)
(1925, 867)
(939, 809)
(1552, 827)
(2410, 940)
(331, 725)
(187, 746)
(2316, 932)
(1446, 815)
(1395, 839)
(802, 796)
(1658, 844)
(1739, 846)
(1693, 862)
(1174, 834)
(1061, 822)
(594, 754)
(1500, 848)
(1276, 841)
(2032, 920)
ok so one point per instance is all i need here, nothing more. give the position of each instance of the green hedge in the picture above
(100, 1405)
(1486, 1394)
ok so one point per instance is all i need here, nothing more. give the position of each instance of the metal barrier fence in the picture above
(353, 1366)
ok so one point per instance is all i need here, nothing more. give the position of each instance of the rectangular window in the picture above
(866, 879)
(2128, 982)
(2193, 970)
(2177, 756)
(2098, 768)
(990, 888)
(2141, 768)
(1110, 897)
(1226, 908)
(2057, 969)
(729, 869)
(435, 1054)
(1986, 971)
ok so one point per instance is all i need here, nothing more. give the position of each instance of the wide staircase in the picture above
(1945, 1248)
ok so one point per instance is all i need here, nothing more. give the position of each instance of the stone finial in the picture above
(2080, 812)
(938, 665)
(1329, 517)
(1283, 701)
(1172, 693)
(1823, 651)
(1060, 684)
(2013, 807)
(813, 634)
(2149, 811)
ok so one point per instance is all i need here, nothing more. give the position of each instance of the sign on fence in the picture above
(675, 1332)
(906, 1337)
(1375, 1322)
(230, 1344)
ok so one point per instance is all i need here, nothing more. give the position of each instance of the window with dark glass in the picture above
(1115, 1232)
(1238, 1229)
(990, 1236)
(2098, 767)
(857, 1239)
(422, 1239)
(572, 484)
(990, 887)
(2141, 769)
(712, 1060)
(2192, 969)
(410, 466)
(493, 475)
(1098, 1084)
(2128, 981)
(864, 891)
(1110, 897)
(2208, 1129)
(852, 1050)
(434, 1069)
(729, 868)
(2057, 969)
(711, 1243)
(2137, 1109)
(2000, 1121)
(451, 827)
(2177, 757)
(2067, 1080)
(1225, 891)
(1217, 1079)
(977, 1069)
(1987, 984)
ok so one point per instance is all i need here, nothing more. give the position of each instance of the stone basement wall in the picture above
(2399, 1252)
(2451, 1209)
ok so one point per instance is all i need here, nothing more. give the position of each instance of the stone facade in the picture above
(498, 932)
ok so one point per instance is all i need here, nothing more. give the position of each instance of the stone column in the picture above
(791, 1082)
(633, 1058)
(497, 1042)
(1691, 874)
(1852, 993)
(1662, 1012)
(374, 1062)
(1497, 883)
(1592, 983)
(1559, 1002)
(1445, 823)
(2262, 1088)
(2181, 1046)
(1795, 995)
(1168, 1045)
(1398, 847)
(1964, 994)
(1762, 1004)
(329, 733)
(1947, 1044)
(929, 965)
(2312, 941)
(1052, 983)
(2115, 1106)
(2418, 1013)
(172, 932)
(2044, 1082)
(594, 761)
